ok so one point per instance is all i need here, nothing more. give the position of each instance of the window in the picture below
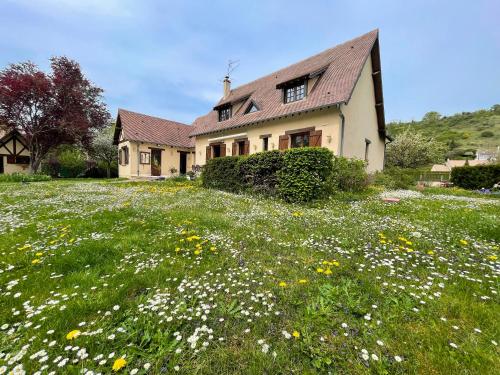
(123, 156)
(265, 144)
(145, 158)
(241, 148)
(225, 113)
(295, 92)
(20, 159)
(300, 140)
(216, 151)
(251, 108)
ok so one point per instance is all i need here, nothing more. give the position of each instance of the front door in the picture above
(183, 163)
(155, 162)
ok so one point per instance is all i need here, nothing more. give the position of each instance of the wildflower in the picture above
(453, 345)
(197, 252)
(328, 271)
(73, 334)
(493, 257)
(335, 263)
(320, 270)
(296, 334)
(119, 364)
(430, 252)
(374, 357)
(302, 281)
(297, 214)
(35, 261)
(286, 334)
(282, 284)
(38, 254)
(463, 242)
(398, 358)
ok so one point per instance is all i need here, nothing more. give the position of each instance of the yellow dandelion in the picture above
(119, 364)
(38, 254)
(296, 334)
(328, 271)
(430, 252)
(302, 281)
(335, 263)
(463, 242)
(213, 248)
(73, 334)
(35, 261)
(320, 270)
(282, 284)
(297, 214)
(493, 257)
(197, 252)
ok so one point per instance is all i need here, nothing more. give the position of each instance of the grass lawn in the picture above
(162, 277)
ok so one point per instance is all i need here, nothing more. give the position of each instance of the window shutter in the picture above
(235, 149)
(246, 148)
(222, 150)
(315, 138)
(120, 157)
(208, 152)
(283, 144)
(11, 159)
(126, 155)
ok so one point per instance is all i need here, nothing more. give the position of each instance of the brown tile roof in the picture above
(143, 128)
(339, 66)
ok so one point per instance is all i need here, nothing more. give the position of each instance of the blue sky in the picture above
(167, 58)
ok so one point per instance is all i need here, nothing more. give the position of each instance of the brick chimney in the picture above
(227, 87)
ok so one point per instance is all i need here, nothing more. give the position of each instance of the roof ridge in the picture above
(154, 117)
(303, 60)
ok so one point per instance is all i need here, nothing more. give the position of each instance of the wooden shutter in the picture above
(315, 138)
(120, 157)
(235, 149)
(246, 147)
(11, 159)
(209, 152)
(222, 150)
(283, 144)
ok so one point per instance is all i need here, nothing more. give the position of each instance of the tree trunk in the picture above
(108, 171)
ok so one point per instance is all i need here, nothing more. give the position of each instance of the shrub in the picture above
(305, 174)
(487, 134)
(348, 174)
(72, 163)
(22, 177)
(223, 174)
(260, 171)
(481, 176)
(396, 178)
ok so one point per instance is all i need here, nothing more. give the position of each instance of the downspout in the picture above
(342, 126)
(138, 159)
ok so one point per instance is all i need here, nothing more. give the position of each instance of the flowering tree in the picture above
(103, 150)
(62, 107)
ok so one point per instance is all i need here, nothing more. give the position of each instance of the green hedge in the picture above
(295, 175)
(305, 174)
(481, 176)
(23, 177)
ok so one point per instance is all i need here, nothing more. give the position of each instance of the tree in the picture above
(50, 109)
(431, 116)
(412, 150)
(103, 150)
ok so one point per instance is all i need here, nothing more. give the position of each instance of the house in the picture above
(333, 99)
(447, 167)
(14, 154)
(151, 146)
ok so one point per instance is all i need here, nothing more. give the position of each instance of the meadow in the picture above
(168, 277)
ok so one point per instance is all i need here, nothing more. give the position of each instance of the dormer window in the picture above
(294, 92)
(252, 108)
(225, 113)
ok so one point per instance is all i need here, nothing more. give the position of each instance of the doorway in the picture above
(1, 164)
(155, 162)
(183, 162)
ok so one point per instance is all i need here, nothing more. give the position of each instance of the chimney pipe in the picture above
(227, 87)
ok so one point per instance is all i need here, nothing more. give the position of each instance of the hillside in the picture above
(462, 132)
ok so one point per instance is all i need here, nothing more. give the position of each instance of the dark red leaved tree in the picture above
(50, 109)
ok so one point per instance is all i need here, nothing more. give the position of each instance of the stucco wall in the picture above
(361, 122)
(170, 158)
(326, 120)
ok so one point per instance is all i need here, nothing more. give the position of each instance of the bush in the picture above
(72, 163)
(411, 150)
(348, 174)
(481, 176)
(487, 134)
(22, 177)
(305, 174)
(396, 178)
(223, 174)
(260, 171)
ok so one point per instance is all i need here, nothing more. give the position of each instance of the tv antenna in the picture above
(231, 67)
